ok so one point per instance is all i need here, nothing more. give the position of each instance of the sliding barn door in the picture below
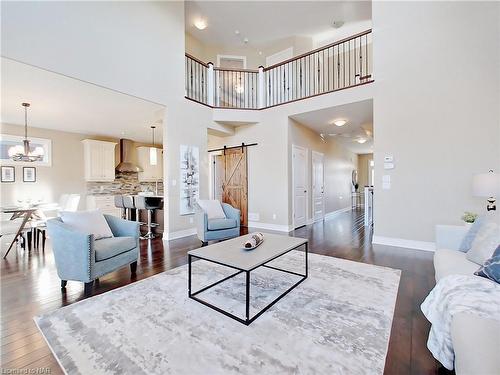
(235, 185)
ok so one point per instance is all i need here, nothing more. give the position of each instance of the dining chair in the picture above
(11, 227)
(67, 202)
(72, 203)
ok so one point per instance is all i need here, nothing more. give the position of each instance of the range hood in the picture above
(126, 153)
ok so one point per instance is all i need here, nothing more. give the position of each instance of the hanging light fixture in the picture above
(153, 156)
(24, 152)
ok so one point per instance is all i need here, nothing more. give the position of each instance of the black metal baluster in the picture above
(360, 58)
(343, 59)
(366, 55)
(338, 66)
(349, 51)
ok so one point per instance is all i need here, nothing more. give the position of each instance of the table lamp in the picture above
(487, 185)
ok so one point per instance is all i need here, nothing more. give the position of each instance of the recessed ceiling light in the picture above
(200, 24)
(361, 140)
(340, 122)
(237, 32)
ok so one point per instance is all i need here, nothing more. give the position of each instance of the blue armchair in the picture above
(217, 229)
(81, 258)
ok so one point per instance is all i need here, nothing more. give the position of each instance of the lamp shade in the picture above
(486, 184)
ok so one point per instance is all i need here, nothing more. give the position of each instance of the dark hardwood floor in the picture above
(30, 286)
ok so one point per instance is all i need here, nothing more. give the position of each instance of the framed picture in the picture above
(29, 174)
(189, 179)
(8, 174)
(7, 141)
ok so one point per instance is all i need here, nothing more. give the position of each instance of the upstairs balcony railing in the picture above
(343, 64)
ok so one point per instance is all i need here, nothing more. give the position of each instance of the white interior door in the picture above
(299, 173)
(318, 186)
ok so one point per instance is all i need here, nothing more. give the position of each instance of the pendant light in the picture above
(24, 152)
(153, 156)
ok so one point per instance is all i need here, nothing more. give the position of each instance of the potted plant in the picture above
(469, 218)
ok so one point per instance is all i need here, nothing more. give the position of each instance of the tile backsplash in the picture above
(124, 183)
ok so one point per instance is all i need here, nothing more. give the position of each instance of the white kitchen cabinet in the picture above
(104, 203)
(99, 160)
(149, 172)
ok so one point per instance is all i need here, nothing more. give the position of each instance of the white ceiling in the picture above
(263, 22)
(62, 103)
(359, 116)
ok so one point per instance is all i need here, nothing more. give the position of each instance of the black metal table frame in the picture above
(247, 319)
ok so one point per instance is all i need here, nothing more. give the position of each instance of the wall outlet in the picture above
(191, 220)
(274, 216)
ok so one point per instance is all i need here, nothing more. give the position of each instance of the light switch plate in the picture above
(388, 165)
(174, 182)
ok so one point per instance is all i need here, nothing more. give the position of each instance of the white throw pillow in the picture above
(90, 222)
(486, 241)
(212, 208)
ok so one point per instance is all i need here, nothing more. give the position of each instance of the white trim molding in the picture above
(400, 242)
(179, 234)
(268, 226)
(232, 57)
(329, 215)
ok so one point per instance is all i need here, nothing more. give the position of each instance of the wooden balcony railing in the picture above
(345, 63)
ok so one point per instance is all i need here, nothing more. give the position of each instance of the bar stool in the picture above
(128, 204)
(150, 204)
(119, 204)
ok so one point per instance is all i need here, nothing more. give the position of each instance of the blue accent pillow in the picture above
(466, 243)
(491, 268)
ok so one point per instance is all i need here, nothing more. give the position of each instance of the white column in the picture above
(210, 84)
(262, 88)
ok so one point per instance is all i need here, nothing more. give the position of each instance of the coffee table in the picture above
(231, 254)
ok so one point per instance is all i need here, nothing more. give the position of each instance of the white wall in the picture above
(120, 45)
(436, 109)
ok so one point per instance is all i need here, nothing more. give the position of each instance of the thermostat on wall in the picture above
(388, 159)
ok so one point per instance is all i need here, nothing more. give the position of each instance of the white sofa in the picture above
(476, 340)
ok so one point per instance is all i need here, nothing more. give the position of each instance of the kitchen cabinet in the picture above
(99, 160)
(104, 203)
(149, 172)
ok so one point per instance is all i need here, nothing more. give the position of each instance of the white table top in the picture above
(231, 252)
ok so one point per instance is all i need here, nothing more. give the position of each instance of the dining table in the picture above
(27, 213)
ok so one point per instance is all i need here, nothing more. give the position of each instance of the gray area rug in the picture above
(338, 321)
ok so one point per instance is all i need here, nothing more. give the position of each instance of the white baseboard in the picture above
(329, 215)
(268, 226)
(179, 234)
(400, 242)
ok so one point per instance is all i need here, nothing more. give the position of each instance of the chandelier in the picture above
(24, 152)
